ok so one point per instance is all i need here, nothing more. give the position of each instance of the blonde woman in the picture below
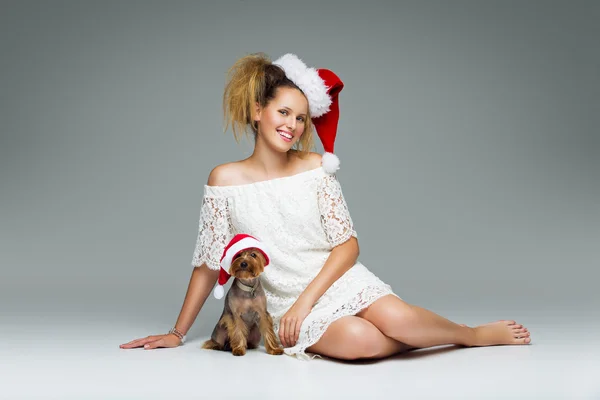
(322, 299)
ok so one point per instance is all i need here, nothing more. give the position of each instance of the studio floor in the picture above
(70, 360)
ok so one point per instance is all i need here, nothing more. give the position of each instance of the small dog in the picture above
(245, 317)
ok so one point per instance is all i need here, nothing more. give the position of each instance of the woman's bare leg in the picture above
(351, 338)
(422, 328)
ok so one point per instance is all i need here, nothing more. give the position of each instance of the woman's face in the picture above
(282, 121)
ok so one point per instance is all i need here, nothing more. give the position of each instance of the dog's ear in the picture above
(261, 257)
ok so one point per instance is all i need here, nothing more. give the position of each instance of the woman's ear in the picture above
(257, 112)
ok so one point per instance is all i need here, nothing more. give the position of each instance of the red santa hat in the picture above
(321, 87)
(239, 243)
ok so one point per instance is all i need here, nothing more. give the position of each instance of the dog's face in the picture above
(248, 264)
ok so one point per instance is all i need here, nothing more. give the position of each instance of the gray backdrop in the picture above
(468, 138)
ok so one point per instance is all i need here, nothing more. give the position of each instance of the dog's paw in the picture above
(211, 345)
(277, 351)
(239, 351)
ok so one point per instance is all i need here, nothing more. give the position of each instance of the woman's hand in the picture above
(290, 323)
(152, 342)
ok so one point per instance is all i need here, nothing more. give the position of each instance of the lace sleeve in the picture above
(214, 232)
(335, 216)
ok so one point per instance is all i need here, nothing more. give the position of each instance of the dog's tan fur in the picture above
(245, 318)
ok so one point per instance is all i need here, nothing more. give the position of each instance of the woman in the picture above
(322, 299)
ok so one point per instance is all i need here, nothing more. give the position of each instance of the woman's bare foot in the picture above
(501, 332)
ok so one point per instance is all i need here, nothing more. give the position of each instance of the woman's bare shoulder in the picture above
(227, 174)
(311, 161)
(235, 173)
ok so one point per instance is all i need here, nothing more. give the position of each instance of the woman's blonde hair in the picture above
(254, 79)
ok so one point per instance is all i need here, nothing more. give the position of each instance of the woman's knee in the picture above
(391, 316)
(351, 338)
(363, 339)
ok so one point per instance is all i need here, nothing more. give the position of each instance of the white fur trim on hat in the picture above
(309, 81)
(219, 292)
(245, 243)
(330, 162)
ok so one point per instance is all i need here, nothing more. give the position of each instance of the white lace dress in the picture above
(300, 218)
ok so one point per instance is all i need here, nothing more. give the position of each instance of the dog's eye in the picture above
(253, 255)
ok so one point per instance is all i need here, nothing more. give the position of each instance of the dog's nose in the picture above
(244, 264)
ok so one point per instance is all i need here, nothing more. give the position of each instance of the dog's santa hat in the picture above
(321, 87)
(238, 243)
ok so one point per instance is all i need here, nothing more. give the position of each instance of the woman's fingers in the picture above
(290, 331)
(287, 332)
(154, 344)
(133, 343)
(138, 342)
(282, 333)
(297, 333)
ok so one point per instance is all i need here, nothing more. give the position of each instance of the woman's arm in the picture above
(340, 260)
(203, 278)
(201, 283)
(337, 225)
(213, 229)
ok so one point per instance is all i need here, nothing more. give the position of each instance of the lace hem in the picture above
(317, 328)
(344, 239)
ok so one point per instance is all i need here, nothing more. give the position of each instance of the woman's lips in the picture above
(285, 135)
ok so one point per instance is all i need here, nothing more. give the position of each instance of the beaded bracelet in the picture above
(180, 335)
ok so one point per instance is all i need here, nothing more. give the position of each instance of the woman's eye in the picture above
(284, 112)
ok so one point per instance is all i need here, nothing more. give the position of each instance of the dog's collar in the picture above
(247, 288)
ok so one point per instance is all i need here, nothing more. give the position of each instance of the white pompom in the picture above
(219, 292)
(330, 162)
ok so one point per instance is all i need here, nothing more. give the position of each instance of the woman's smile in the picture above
(285, 135)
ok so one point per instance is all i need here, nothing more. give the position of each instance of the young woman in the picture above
(322, 299)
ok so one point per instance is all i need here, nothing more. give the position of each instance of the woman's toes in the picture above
(501, 332)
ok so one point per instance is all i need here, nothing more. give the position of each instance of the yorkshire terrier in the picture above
(245, 318)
